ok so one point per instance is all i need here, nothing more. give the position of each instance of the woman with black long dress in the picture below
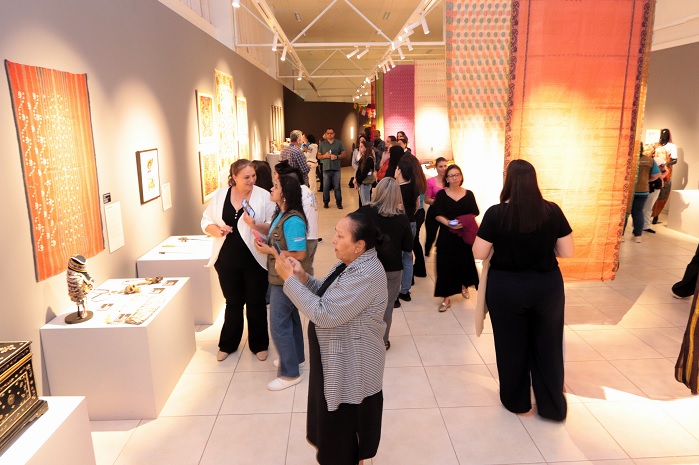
(456, 268)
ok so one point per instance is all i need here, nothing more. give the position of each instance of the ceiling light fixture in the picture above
(283, 58)
(353, 52)
(376, 75)
(390, 60)
(412, 26)
(393, 45)
(297, 15)
(400, 52)
(300, 75)
(425, 29)
(274, 43)
(236, 3)
(409, 45)
(364, 52)
(386, 15)
(403, 37)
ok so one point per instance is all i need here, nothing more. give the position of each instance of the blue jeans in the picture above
(407, 279)
(331, 178)
(365, 193)
(286, 331)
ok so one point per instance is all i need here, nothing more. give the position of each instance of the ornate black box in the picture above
(19, 403)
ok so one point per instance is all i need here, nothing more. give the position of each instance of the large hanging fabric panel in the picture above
(399, 102)
(477, 66)
(577, 88)
(52, 114)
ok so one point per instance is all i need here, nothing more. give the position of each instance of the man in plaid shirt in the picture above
(294, 155)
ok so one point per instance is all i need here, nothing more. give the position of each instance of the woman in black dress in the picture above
(456, 268)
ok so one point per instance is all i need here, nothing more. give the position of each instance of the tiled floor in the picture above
(441, 388)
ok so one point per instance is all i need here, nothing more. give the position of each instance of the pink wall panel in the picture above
(399, 102)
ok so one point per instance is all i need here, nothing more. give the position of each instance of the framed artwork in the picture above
(226, 120)
(205, 116)
(208, 172)
(148, 174)
(277, 125)
(243, 138)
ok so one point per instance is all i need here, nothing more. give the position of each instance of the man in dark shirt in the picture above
(330, 151)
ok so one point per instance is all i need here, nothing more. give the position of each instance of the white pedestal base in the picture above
(683, 212)
(60, 436)
(125, 371)
(173, 257)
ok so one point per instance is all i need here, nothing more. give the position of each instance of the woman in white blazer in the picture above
(345, 343)
(242, 271)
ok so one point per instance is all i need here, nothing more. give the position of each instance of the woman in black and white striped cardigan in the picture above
(346, 349)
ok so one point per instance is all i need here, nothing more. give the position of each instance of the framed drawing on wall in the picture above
(208, 172)
(148, 174)
(205, 116)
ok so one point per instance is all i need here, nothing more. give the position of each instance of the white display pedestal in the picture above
(178, 258)
(683, 212)
(60, 436)
(125, 371)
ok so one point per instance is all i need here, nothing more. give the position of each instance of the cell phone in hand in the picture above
(248, 208)
(259, 236)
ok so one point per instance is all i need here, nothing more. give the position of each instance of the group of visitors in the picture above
(264, 245)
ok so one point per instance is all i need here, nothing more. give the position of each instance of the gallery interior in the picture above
(392, 65)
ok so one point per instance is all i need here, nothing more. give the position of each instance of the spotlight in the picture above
(376, 75)
(284, 54)
(393, 65)
(409, 44)
(403, 37)
(412, 26)
(353, 52)
(400, 52)
(274, 43)
(236, 3)
(425, 29)
(364, 52)
(393, 46)
(300, 75)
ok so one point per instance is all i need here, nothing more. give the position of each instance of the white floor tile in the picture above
(197, 394)
(463, 386)
(406, 388)
(110, 437)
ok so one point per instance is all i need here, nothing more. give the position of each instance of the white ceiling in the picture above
(320, 33)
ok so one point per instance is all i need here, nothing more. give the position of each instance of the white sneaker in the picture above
(276, 363)
(278, 384)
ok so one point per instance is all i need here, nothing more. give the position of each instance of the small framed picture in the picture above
(170, 282)
(148, 174)
(205, 116)
(157, 290)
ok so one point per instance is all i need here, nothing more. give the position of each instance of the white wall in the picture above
(144, 63)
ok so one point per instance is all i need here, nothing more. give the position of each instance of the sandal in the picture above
(465, 293)
(388, 345)
(444, 306)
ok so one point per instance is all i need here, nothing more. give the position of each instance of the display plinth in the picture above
(683, 211)
(125, 371)
(60, 437)
(187, 258)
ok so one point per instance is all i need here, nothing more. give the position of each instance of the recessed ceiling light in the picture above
(297, 15)
(386, 15)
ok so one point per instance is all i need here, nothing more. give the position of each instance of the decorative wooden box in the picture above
(19, 403)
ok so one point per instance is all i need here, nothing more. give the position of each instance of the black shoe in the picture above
(405, 296)
(320, 239)
(655, 220)
(325, 205)
(396, 304)
(387, 344)
(339, 206)
(650, 230)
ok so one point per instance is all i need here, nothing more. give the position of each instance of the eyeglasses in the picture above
(452, 176)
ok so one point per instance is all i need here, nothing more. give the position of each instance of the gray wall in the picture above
(144, 63)
(673, 102)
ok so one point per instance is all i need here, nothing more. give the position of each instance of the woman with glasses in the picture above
(456, 268)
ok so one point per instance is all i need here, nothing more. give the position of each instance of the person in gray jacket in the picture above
(345, 343)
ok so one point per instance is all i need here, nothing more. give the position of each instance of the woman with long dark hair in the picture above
(364, 177)
(525, 295)
(287, 233)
